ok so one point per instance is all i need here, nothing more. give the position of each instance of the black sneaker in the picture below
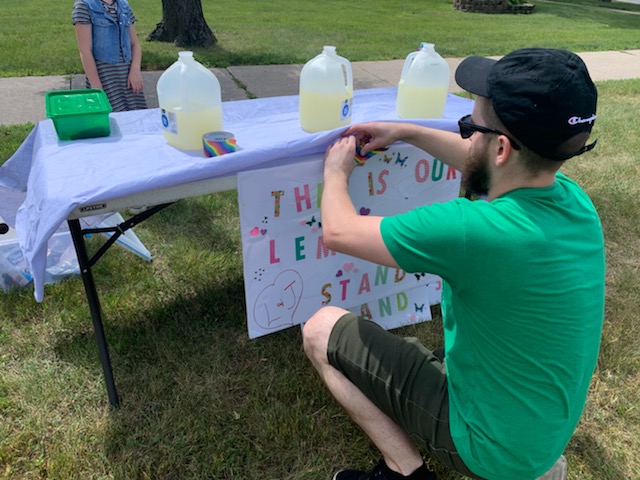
(382, 472)
(439, 354)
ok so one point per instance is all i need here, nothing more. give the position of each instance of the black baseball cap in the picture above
(543, 96)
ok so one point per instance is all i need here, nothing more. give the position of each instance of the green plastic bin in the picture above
(79, 113)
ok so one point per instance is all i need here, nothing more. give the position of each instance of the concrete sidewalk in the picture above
(22, 99)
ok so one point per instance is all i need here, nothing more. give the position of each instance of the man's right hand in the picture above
(446, 146)
(374, 135)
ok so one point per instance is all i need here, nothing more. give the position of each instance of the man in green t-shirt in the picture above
(523, 282)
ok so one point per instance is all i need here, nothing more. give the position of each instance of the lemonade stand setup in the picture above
(113, 161)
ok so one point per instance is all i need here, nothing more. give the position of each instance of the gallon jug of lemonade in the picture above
(326, 92)
(424, 82)
(190, 102)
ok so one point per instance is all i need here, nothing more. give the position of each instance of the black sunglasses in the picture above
(467, 128)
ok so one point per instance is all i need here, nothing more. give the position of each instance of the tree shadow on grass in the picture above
(200, 400)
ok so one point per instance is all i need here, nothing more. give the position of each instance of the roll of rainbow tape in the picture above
(360, 159)
(218, 143)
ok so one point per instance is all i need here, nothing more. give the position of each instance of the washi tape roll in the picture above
(218, 143)
(360, 159)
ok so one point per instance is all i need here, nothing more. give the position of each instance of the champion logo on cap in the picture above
(576, 120)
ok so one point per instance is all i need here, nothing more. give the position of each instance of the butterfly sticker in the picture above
(400, 161)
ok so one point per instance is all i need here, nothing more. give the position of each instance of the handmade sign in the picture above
(289, 273)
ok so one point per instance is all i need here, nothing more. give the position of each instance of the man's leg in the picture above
(398, 450)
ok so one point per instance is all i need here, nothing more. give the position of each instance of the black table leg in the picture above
(94, 307)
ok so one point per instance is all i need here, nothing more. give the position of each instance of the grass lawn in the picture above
(37, 37)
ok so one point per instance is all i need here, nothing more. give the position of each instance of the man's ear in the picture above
(503, 150)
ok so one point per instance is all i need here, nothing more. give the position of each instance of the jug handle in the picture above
(407, 63)
(346, 67)
(184, 94)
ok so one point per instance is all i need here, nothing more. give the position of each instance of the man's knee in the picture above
(316, 331)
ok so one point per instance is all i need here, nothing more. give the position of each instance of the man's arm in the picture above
(448, 147)
(342, 228)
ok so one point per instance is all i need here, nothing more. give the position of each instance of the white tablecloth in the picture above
(59, 176)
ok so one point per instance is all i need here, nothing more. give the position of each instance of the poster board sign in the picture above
(289, 273)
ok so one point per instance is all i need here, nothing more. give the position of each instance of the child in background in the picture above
(110, 51)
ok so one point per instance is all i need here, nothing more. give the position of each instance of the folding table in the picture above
(134, 166)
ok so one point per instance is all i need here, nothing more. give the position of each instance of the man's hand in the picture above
(446, 146)
(339, 158)
(374, 135)
(343, 229)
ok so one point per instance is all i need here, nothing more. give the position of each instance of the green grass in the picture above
(37, 37)
(200, 400)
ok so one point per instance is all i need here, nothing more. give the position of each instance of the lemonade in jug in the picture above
(190, 102)
(326, 92)
(424, 83)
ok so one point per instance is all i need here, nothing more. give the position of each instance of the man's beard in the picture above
(476, 177)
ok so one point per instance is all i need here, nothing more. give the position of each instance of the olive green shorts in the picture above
(402, 378)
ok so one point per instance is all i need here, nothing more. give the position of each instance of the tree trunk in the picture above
(183, 24)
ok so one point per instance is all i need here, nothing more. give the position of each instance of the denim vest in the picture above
(108, 37)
